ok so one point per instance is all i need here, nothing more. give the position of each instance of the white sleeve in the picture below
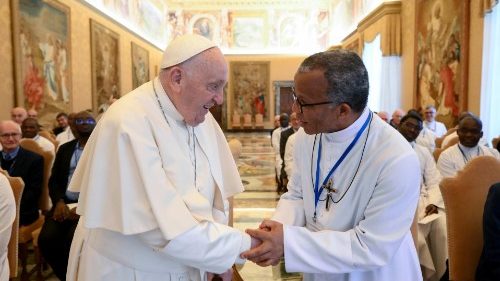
(432, 178)
(209, 246)
(446, 164)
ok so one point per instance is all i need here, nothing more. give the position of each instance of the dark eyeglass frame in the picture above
(302, 105)
(87, 121)
(10, 135)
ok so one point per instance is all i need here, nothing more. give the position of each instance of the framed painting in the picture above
(206, 24)
(441, 60)
(42, 54)
(249, 89)
(140, 65)
(105, 66)
(248, 30)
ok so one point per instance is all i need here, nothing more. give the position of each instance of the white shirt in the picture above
(65, 136)
(436, 127)
(7, 215)
(289, 154)
(455, 157)
(366, 235)
(175, 216)
(427, 139)
(275, 142)
(45, 144)
(430, 178)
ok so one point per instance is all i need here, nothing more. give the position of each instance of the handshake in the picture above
(267, 244)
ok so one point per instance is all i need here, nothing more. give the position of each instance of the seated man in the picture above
(30, 129)
(454, 158)
(25, 164)
(396, 117)
(60, 223)
(7, 215)
(285, 135)
(436, 127)
(64, 135)
(432, 246)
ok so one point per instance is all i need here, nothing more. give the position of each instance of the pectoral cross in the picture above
(330, 189)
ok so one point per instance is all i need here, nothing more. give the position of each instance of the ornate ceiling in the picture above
(248, 4)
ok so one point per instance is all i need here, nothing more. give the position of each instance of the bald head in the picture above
(383, 115)
(397, 115)
(18, 114)
(32, 113)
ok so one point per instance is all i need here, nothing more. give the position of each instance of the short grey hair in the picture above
(9, 122)
(346, 75)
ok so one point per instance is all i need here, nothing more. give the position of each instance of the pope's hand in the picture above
(270, 251)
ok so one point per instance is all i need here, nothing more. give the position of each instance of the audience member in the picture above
(32, 113)
(383, 115)
(155, 178)
(396, 117)
(25, 164)
(454, 158)
(285, 135)
(451, 136)
(275, 139)
(18, 114)
(436, 127)
(7, 217)
(60, 222)
(432, 247)
(354, 222)
(30, 129)
(64, 122)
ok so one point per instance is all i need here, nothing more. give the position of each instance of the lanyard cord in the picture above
(466, 160)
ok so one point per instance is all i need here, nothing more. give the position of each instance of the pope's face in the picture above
(203, 86)
(311, 88)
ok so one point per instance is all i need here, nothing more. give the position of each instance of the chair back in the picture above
(48, 160)
(48, 135)
(439, 141)
(17, 185)
(495, 141)
(452, 142)
(464, 196)
(436, 153)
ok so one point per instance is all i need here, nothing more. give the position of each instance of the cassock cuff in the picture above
(246, 243)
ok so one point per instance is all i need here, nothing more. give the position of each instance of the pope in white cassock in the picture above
(354, 188)
(155, 177)
(432, 245)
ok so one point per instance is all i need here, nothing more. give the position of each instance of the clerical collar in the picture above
(349, 132)
(430, 126)
(10, 155)
(468, 150)
(165, 101)
(413, 143)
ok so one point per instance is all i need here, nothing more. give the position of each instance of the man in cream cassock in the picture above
(432, 246)
(455, 157)
(155, 177)
(354, 188)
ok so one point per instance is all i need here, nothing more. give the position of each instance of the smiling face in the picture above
(10, 134)
(410, 128)
(200, 84)
(469, 131)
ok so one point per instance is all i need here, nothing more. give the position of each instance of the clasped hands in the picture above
(267, 244)
(62, 212)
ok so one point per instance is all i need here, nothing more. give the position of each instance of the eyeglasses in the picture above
(302, 105)
(13, 135)
(409, 126)
(88, 121)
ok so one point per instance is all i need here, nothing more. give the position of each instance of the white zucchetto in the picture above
(183, 48)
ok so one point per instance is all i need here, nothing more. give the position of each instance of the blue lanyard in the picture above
(317, 189)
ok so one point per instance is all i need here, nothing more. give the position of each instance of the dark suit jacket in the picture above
(283, 139)
(58, 182)
(488, 268)
(29, 166)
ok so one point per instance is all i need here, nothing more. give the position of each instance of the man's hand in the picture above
(431, 209)
(226, 276)
(61, 211)
(270, 251)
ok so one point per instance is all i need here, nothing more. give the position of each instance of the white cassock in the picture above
(432, 246)
(153, 196)
(7, 215)
(65, 136)
(448, 138)
(436, 127)
(366, 235)
(427, 139)
(45, 144)
(289, 154)
(455, 157)
(275, 142)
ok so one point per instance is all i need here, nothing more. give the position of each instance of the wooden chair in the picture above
(464, 197)
(437, 152)
(48, 135)
(494, 142)
(17, 186)
(26, 233)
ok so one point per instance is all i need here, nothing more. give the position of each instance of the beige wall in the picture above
(80, 60)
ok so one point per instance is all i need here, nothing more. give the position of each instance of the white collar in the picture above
(349, 132)
(468, 150)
